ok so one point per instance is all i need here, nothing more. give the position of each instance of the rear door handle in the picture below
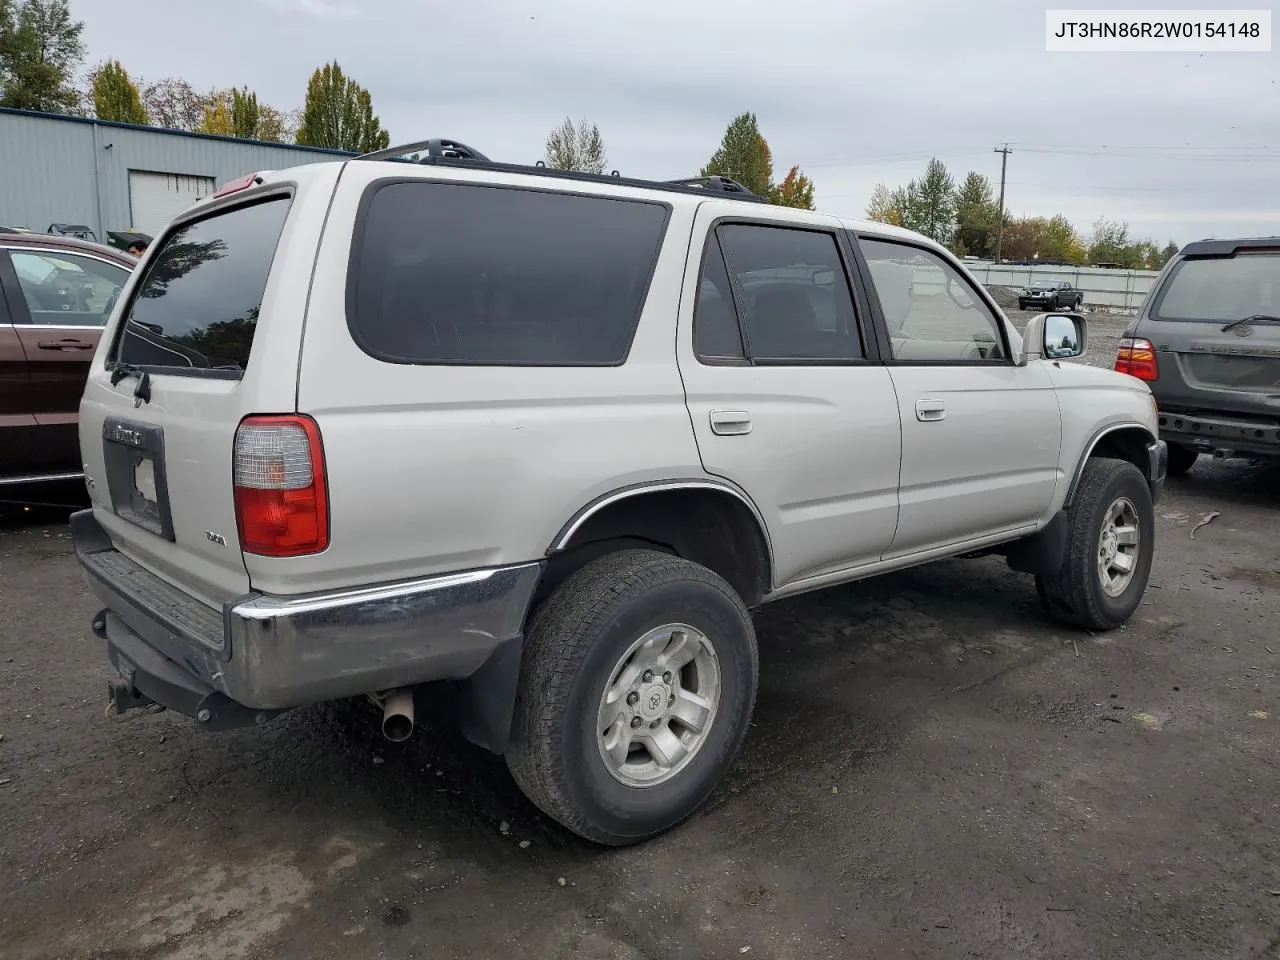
(730, 423)
(928, 411)
(64, 345)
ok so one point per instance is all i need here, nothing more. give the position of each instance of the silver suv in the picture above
(539, 441)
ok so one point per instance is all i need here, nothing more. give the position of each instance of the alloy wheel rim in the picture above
(1118, 544)
(658, 707)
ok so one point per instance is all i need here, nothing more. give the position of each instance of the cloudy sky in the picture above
(1182, 146)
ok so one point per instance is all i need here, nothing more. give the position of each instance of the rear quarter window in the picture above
(446, 273)
(195, 310)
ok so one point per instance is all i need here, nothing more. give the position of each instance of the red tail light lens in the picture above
(282, 504)
(1137, 357)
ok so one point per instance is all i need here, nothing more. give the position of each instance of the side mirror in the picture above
(1055, 336)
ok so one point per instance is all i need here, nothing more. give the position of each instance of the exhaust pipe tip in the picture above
(397, 716)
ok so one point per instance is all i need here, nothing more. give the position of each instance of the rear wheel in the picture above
(1181, 459)
(638, 680)
(1110, 542)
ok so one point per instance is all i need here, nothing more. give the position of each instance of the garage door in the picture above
(156, 198)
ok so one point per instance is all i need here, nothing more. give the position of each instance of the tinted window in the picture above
(932, 312)
(795, 295)
(196, 308)
(716, 335)
(1221, 289)
(445, 273)
(63, 289)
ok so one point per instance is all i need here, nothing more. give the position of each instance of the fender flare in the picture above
(585, 513)
(1092, 445)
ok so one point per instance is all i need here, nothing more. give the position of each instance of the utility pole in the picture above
(1004, 160)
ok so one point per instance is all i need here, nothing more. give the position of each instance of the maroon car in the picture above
(55, 296)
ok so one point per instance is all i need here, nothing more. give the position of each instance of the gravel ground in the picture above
(934, 771)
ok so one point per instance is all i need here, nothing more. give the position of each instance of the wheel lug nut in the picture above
(632, 698)
(654, 725)
(648, 676)
(666, 677)
(671, 701)
(636, 721)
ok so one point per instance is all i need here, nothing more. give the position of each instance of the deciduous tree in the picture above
(884, 206)
(115, 95)
(246, 114)
(40, 49)
(577, 147)
(795, 190)
(174, 104)
(338, 114)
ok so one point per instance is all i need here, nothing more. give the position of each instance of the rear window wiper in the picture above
(1252, 318)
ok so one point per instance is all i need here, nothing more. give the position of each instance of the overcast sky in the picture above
(855, 91)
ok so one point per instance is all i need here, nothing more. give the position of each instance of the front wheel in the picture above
(638, 680)
(1110, 543)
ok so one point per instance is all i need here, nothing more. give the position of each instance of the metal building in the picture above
(117, 176)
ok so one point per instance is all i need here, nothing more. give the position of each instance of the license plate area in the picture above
(133, 454)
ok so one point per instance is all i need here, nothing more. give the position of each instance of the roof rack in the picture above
(434, 149)
(449, 153)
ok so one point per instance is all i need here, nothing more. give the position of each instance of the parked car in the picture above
(546, 438)
(1207, 342)
(55, 295)
(1050, 295)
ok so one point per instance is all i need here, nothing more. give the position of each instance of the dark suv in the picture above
(55, 295)
(1048, 295)
(1207, 341)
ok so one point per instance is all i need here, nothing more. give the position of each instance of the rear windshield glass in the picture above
(1221, 289)
(196, 307)
(455, 274)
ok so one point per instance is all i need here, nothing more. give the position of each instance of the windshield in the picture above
(1041, 285)
(1221, 289)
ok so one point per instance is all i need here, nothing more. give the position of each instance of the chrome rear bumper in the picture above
(265, 653)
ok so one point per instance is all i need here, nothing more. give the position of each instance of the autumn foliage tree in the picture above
(115, 96)
(795, 190)
(338, 114)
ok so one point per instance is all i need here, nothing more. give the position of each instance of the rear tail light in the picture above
(282, 504)
(1137, 357)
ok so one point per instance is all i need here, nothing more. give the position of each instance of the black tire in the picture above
(1079, 301)
(1181, 460)
(1075, 594)
(574, 642)
(1022, 305)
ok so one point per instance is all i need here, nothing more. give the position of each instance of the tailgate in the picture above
(1215, 324)
(185, 359)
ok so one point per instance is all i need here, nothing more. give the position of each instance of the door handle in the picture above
(64, 345)
(929, 411)
(730, 423)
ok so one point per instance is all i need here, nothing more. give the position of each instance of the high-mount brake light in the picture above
(282, 500)
(235, 186)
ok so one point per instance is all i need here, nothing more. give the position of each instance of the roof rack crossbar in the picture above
(722, 184)
(437, 147)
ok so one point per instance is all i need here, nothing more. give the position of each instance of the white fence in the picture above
(1123, 289)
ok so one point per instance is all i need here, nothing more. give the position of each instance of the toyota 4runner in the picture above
(539, 441)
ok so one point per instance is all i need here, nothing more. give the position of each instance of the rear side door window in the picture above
(774, 295)
(195, 311)
(67, 289)
(446, 273)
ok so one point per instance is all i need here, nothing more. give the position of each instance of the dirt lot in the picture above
(934, 771)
